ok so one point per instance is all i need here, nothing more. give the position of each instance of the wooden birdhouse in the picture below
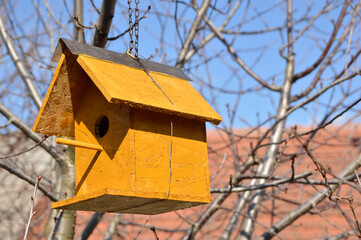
(140, 139)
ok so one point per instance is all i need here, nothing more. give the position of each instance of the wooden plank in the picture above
(113, 200)
(56, 116)
(80, 144)
(187, 177)
(131, 86)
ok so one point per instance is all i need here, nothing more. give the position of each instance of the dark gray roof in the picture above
(77, 48)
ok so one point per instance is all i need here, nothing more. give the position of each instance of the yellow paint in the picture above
(75, 143)
(113, 200)
(56, 116)
(120, 83)
(125, 164)
(135, 160)
(190, 179)
(112, 164)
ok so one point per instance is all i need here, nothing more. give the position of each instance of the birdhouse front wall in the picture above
(56, 116)
(142, 157)
(110, 168)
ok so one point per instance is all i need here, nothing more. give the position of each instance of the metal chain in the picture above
(131, 42)
(136, 28)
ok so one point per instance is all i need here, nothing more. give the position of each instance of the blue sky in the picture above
(261, 52)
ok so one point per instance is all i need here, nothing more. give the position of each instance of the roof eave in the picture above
(77, 48)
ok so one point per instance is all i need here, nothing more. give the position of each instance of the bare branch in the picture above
(81, 25)
(26, 150)
(350, 200)
(238, 59)
(57, 220)
(317, 198)
(96, 218)
(96, 9)
(27, 179)
(65, 29)
(261, 186)
(130, 28)
(217, 202)
(20, 66)
(35, 137)
(192, 33)
(78, 18)
(32, 212)
(104, 21)
(207, 39)
(327, 48)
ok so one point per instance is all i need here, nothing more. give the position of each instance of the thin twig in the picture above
(140, 230)
(25, 151)
(26, 178)
(57, 220)
(326, 49)
(220, 166)
(130, 28)
(32, 212)
(96, 9)
(155, 233)
(20, 65)
(260, 186)
(318, 165)
(350, 200)
(358, 179)
(54, 152)
(81, 25)
(6, 124)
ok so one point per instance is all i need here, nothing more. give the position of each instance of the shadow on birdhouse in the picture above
(140, 140)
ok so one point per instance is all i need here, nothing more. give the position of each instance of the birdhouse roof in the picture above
(121, 79)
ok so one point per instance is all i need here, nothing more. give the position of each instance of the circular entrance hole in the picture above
(101, 126)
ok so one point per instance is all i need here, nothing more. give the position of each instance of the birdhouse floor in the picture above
(113, 200)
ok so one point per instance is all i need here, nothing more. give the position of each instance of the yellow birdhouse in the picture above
(140, 138)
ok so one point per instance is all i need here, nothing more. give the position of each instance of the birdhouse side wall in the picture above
(110, 168)
(170, 156)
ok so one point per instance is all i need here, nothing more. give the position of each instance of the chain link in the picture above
(133, 29)
(136, 28)
(131, 42)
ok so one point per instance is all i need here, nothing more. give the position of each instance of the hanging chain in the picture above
(133, 29)
(136, 28)
(135, 44)
(131, 42)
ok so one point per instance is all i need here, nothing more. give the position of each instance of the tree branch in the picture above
(20, 66)
(207, 39)
(238, 59)
(316, 199)
(192, 33)
(326, 49)
(27, 179)
(261, 186)
(217, 202)
(104, 21)
(35, 137)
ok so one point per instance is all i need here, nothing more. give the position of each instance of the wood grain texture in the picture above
(112, 200)
(136, 157)
(56, 116)
(132, 86)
